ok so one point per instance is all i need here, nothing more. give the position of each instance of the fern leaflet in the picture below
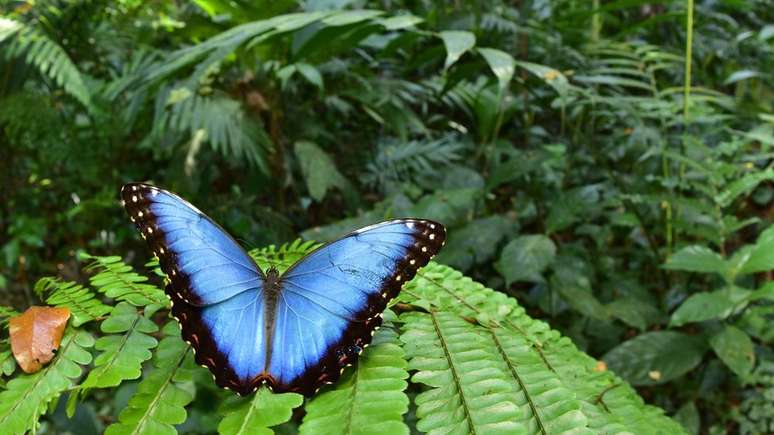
(257, 414)
(159, 402)
(81, 302)
(548, 405)
(284, 256)
(124, 350)
(117, 280)
(469, 389)
(28, 396)
(369, 399)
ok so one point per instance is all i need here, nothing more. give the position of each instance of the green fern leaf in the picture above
(369, 399)
(118, 281)
(7, 361)
(608, 403)
(124, 350)
(548, 405)
(257, 414)
(28, 396)
(5, 314)
(469, 388)
(160, 400)
(284, 256)
(81, 302)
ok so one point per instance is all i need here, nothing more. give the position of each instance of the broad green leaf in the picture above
(476, 242)
(629, 311)
(457, 42)
(570, 207)
(760, 257)
(448, 206)
(551, 76)
(576, 292)
(344, 18)
(502, 64)
(743, 185)
(740, 75)
(311, 74)
(399, 22)
(255, 415)
(655, 357)
(696, 258)
(369, 399)
(525, 258)
(688, 417)
(734, 347)
(702, 306)
(318, 169)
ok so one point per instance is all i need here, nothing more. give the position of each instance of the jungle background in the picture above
(606, 163)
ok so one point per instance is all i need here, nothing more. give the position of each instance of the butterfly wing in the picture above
(204, 264)
(331, 301)
(216, 289)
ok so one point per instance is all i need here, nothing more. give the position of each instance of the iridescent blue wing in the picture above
(204, 263)
(216, 289)
(331, 301)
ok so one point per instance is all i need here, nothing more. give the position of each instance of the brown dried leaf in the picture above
(36, 334)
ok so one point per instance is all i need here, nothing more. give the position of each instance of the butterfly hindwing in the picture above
(332, 299)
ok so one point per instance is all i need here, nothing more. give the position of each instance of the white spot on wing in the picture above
(134, 198)
(410, 225)
(432, 236)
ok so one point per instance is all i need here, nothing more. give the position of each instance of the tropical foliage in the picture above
(607, 164)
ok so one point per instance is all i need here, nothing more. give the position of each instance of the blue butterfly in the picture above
(293, 331)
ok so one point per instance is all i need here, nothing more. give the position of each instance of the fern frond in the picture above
(549, 406)
(117, 280)
(469, 389)
(23, 41)
(81, 302)
(284, 256)
(607, 402)
(124, 350)
(159, 402)
(255, 415)
(27, 396)
(412, 161)
(368, 399)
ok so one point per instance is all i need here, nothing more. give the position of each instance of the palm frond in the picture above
(19, 40)
(413, 161)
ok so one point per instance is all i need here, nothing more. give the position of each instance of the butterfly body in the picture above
(294, 331)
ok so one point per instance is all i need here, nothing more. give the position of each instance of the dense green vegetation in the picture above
(608, 164)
